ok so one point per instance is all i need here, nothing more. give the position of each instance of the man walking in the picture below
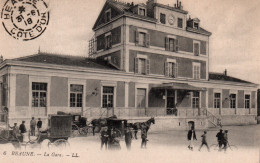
(39, 124)
(32, 126)
(22, 129)
(220, 138)
(225, 139)
(204, 140)
(104, 137)
(144, 138)
(128, 138)
(191, 136)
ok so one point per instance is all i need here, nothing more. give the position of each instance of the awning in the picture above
(177, 86)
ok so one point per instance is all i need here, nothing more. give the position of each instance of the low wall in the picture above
(238, 120)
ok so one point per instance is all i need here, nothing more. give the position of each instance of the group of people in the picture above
(19, 132)
(112, 142)
(222, 138)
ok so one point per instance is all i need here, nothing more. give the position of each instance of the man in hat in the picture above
(32, 126)
(144, 138)
(220, 136)
(104, 137)
(39, 124)
(22, 129)
(128, 137)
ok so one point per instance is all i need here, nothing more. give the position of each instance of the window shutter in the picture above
(176, 70)
(166, 72)
(136, 65)
(147, 66)
(166, 43)
(136, 37)
(110, 40)
(105, 43)
(176, 45)
(147, 40)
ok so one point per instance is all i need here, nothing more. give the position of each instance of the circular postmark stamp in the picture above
(25, 19)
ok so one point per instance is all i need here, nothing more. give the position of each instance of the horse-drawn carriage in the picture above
(57, 133)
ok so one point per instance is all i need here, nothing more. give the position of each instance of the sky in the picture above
(234, 44)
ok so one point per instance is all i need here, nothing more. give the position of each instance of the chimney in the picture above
(225, 72)
(1, 59)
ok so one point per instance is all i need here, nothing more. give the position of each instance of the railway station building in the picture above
(145, 60)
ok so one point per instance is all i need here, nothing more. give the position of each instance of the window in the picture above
(141, 98)
(108, 41)
(162, 18)
(196, 71)
(171, 44)
(232, 100)
(76, 94)
(247, 101)
(142, 38)
(39, 92)
(142, 65)
(142, 11)
(196, 25)
(171, 69)
(108, 97)
(217, 97)
(108, 16)
(196, 49)
(180, 22)
(195, 99)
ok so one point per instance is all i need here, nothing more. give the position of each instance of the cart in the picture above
(7, 136)
(57, 133)
(118, 125)
(79, 126)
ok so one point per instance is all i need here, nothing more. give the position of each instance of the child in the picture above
(204, 140)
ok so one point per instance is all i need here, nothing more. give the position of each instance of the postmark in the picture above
(25, 19)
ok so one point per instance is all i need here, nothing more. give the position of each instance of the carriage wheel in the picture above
(61, 143)
(75, 131)
(83, 131)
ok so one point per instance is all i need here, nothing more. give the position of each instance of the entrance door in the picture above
(171, 109)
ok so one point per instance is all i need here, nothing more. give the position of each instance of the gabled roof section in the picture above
(118, 7)
(66, 60)
(223, 77)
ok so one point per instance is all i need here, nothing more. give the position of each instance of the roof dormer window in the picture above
(196, 25)
(142, 11)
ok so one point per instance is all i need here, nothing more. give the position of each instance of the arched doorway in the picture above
(191, 125)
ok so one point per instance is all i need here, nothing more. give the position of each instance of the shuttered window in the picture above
(141, 98)
(171, 69)
(196, 49)
(171, 44)
(142, 66)
(142, 39)
(108, 41)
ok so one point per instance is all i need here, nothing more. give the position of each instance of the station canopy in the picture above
(177, 86)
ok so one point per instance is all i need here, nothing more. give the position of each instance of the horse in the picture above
(142, 125)
(100, 122)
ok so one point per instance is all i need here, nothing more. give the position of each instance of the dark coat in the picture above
(104, 136)
(128, 136)
(190, 134)
(39, 124)
(22, 128)
(220, 136)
